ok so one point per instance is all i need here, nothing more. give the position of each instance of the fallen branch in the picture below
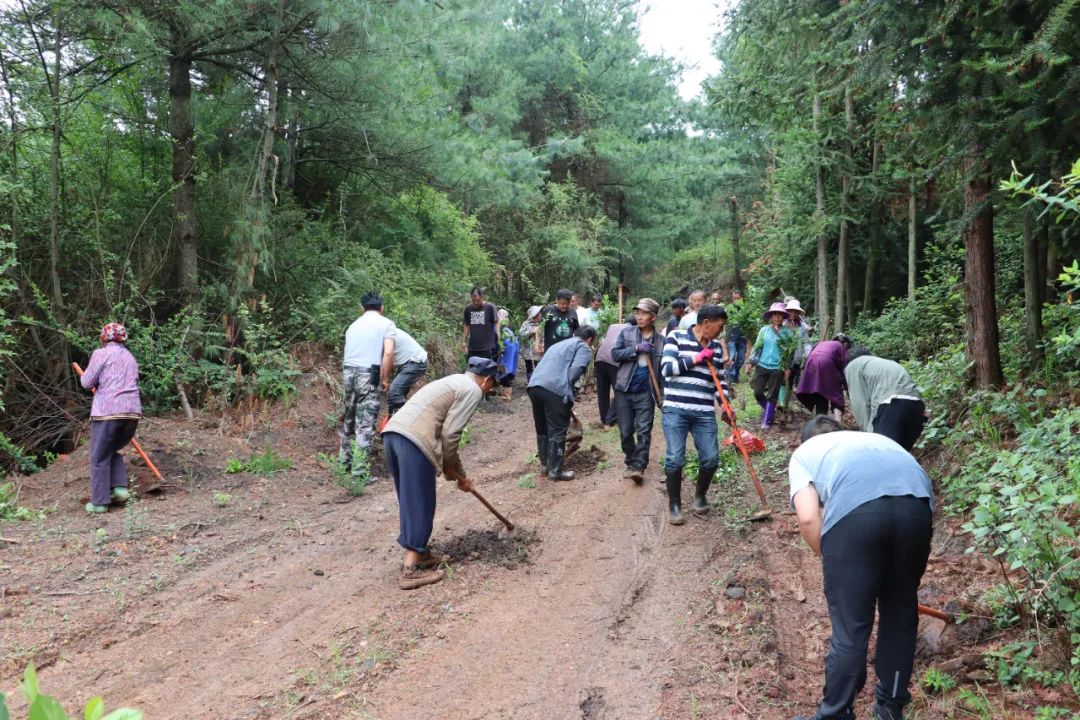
(13, 541)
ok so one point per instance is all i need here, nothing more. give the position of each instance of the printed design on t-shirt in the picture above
(477, 317)
(560, 327)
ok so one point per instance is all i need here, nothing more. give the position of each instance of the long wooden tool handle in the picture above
(509, 525)
(134, 441)
(655, 384)
(931, 612)
(737, 434)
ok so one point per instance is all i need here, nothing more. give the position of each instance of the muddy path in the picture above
(241, 596)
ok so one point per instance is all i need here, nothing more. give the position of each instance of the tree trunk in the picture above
(1032, 288)
(912, 240)
(182, 133)
(821, 294)
(1053, 263)
(254, 238)
(292, 138)
(54, 184)
(736, 259)
(980, 306)
(844, 249)
(874, 238)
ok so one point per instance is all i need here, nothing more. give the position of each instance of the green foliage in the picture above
(43, 707)
(935, 681)
(265, 463)
(527, 481)
(9, 507)
(747, 314)
(222, 499)
(355, 481)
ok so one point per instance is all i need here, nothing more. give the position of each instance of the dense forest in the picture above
(227, 179)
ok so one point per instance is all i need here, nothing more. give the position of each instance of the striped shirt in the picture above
(687, 386)
(114, 375)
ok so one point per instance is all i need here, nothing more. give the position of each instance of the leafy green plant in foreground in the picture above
(43, 707)
(265, 463)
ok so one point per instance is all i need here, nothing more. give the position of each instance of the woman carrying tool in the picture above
(766, 357)
(637, 352)
(689, 406)
(420, 441)
(113, 375)
(865, 507)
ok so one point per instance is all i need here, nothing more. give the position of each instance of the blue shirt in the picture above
(561, 367)
(766, 352)
(849, 469)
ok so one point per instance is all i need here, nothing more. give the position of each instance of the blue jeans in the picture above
(677, 423)
(737, 351)
(406, 377)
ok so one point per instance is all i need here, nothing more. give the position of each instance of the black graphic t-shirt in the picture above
(481, 324)
(558, 326)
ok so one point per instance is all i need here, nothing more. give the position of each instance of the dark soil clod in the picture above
(592, 707)
(492, 547)
(586, 460)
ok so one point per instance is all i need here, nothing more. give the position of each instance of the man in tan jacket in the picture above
(421, 441)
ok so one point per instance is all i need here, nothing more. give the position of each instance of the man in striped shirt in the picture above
(689, 396)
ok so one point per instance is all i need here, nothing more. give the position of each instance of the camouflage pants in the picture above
(361, 412)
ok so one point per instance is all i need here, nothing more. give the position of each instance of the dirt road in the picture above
(239, 596)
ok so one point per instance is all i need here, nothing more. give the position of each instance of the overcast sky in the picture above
(684, 29)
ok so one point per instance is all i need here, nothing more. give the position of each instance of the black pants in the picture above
(491, 354)
(901, 420)
(107, 439)
(529, 365)
(818, 403)
(874, 556)
(767, 385)
(551, 415)
(605, 384)
(635, 412)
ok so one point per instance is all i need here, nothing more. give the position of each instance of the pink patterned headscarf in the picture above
(113, 332)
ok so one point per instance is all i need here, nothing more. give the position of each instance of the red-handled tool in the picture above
(765, 512)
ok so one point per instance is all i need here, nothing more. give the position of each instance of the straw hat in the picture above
(777, 307)
(794, 306)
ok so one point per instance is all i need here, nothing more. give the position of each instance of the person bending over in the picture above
(865, 507)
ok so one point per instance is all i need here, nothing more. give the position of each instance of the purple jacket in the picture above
(608, 344)
(823, 374)
(114, 374)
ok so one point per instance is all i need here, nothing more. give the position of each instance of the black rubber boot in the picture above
(701, 489)
(674, 495)
(556, 454)
(542, 453)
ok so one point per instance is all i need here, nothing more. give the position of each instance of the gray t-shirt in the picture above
(406, 349)
(849, 469)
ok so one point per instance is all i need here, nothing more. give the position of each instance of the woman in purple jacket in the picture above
(821, 386)
(113, 375)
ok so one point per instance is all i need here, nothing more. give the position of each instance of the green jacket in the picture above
(872, 381)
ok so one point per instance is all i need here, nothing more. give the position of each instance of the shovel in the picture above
(765, 512)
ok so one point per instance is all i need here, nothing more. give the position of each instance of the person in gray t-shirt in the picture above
(865, 506)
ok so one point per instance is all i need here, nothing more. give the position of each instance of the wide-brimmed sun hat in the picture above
(777, 307)
(794, 306)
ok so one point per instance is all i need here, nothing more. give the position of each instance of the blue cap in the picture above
(483, 366)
